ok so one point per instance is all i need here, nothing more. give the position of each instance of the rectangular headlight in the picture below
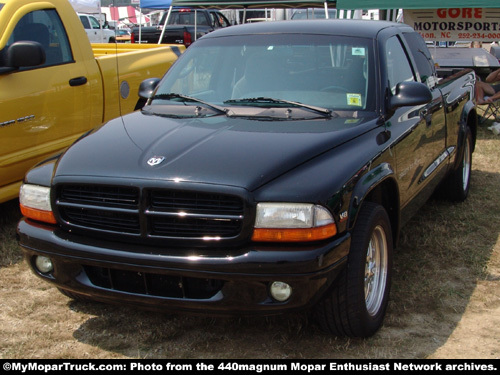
(292, 222)
(35, 203)
(284, 215)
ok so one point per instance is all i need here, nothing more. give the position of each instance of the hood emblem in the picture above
(155, 160)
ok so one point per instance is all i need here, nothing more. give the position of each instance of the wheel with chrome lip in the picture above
(357, 303)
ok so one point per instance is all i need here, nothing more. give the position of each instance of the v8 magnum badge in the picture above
(156, 160)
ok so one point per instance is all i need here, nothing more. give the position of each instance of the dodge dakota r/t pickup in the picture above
(56, 85)
(271, 170)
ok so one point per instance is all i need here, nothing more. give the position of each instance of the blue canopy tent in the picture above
(155, 4)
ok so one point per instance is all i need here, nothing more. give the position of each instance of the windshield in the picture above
(316, 70)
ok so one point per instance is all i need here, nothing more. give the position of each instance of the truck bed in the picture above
(133, 62)
(103, 49)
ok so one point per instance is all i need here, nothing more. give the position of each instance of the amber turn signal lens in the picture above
(39, 215)
(295, 234)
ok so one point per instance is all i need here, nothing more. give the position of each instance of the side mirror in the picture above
(147, 87)
(24, 54)
(410, 94)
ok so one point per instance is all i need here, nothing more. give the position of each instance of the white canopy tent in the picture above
(86, 6)
(126, 15)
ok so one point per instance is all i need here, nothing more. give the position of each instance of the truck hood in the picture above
(240, 152)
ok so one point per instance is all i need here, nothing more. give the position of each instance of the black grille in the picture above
(192, 227)
(100, 195)
(102, 219)
(196, 202)
(154, 213)
(153, 284)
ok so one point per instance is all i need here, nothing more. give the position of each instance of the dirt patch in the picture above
(445, 300)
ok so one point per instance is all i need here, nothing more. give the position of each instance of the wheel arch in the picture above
(469, 119)
(378, 186)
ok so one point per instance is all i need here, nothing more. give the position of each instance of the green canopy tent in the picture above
(412, 4)
(242, 4)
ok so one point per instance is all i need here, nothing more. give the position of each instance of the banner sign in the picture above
(455, 24)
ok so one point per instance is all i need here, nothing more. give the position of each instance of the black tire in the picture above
(456, 186)
(356, 305)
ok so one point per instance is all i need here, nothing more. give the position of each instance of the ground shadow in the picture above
(9, 248)
(430, 293)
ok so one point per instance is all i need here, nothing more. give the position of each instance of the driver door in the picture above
(43, 107)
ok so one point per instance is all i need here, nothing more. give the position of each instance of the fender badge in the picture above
(155, 160)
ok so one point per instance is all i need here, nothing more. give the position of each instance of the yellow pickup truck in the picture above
(55, 85)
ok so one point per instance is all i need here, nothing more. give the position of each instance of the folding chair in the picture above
(493, 109)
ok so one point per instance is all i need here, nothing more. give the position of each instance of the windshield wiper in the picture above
(187, 98)
(323, 111)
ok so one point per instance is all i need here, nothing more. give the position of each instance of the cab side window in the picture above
(46, 28)
(201, 19)
(422, 57)
(223, 20)
(398, 66)
(214, 20)
(85, 22)
(94, 22)
(218, 20)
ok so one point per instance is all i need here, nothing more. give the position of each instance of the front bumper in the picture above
(215, 281)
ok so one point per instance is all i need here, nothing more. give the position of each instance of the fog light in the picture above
(280, 291)
(43, 264)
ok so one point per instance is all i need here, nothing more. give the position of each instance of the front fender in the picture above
(41, 174)
(375, 185)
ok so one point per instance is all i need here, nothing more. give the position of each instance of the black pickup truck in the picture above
(184, 26)
(271, 170)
